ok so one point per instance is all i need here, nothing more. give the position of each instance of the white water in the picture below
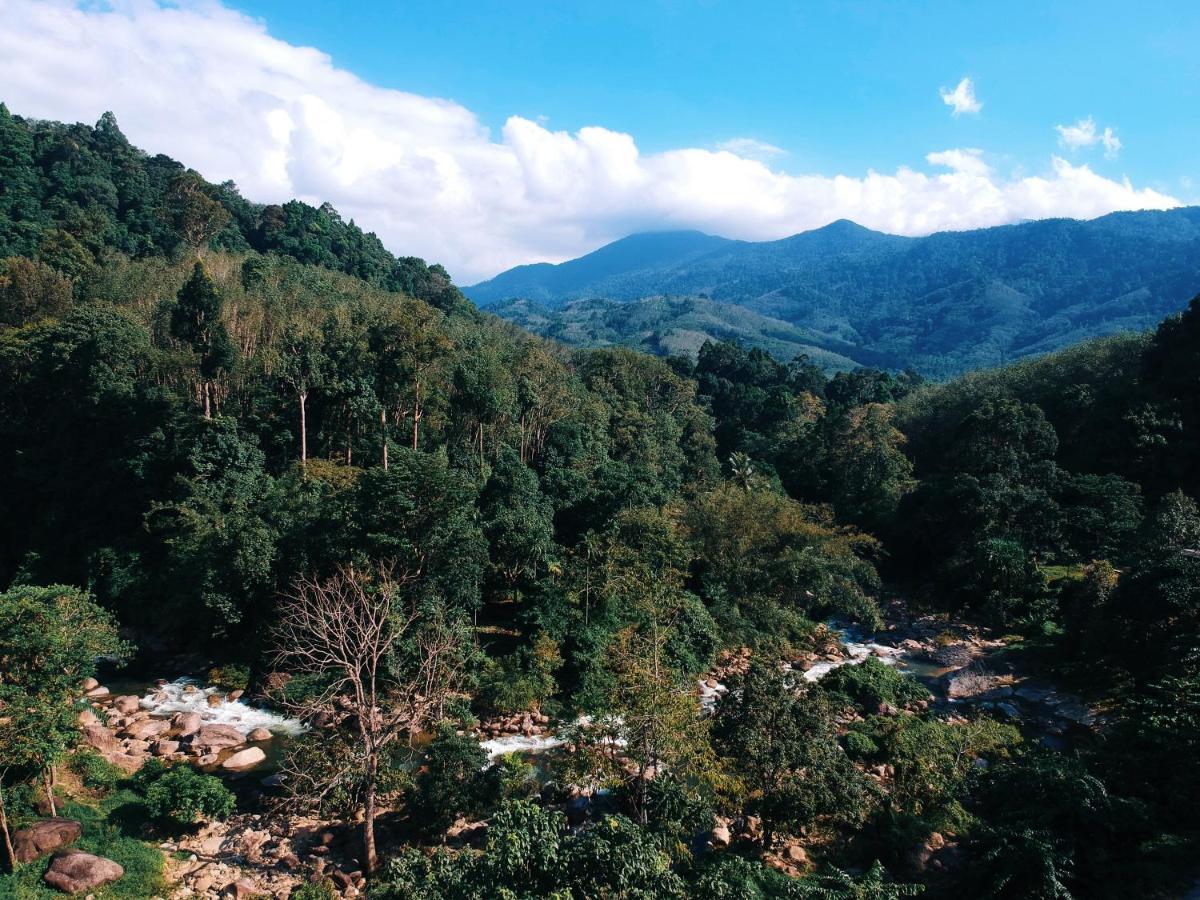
(242, 716)
(858, 652)
(710, 695)
(518, 743)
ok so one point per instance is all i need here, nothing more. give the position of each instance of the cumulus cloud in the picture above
(751, 148)
(962, 99)
(968, 160)
(211, 87)
(1084, 134)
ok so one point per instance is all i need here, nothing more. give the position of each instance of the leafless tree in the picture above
(348, 630)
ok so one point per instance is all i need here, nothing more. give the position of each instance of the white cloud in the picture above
(962, 99)
(212, 88)
(1112, 143)
(968, 160)
(751, 148)
(1084, 134)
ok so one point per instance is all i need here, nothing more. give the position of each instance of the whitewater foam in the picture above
(185, 696)
(857, 652)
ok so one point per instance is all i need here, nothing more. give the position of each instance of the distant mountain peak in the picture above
(943, 303)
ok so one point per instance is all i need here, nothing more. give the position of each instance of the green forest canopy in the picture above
(202, 399)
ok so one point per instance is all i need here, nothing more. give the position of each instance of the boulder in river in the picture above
(961, 685)
(146, 729)
(209, 738)
(74, 872)
(45, 837)
(244, 759)
(259, 734)
(953, 656)
(127, 704)
(89, 684)
(187, 723)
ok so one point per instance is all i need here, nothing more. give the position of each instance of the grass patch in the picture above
(108, 829)
(1072, 572)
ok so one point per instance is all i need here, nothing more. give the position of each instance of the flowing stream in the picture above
(184, 695)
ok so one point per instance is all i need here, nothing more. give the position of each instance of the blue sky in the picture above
(487, 134)
(847, 85)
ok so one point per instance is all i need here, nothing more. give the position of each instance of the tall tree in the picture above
(196, 216)
(783, 746)
(196, 321)
(304, 366)
(358, 634)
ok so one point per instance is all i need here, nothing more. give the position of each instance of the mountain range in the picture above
(846, 295)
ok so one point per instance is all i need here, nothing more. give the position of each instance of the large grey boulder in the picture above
(962, 685)
(953, 656)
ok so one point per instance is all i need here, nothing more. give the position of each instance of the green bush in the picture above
(184, 796)
(109, 830)
(452, 783)
(319, 890)
(522, 680)
(871, 683)
(860, 746)
(151, 770)
(232, 677)
(515, 778)
(95, 771)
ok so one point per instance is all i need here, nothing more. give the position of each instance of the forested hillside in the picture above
(538, 622)
(942, 304)
(670, 326)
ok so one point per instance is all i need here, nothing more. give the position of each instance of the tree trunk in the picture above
(303, 432)
(768, 837)
(416, 413)
(371, 860)
(50, 793)
(8, 846)
(383, 431)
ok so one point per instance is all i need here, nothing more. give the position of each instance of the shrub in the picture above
(318, 890)
(95, 771)
(515, 778)
(860, 746)
(452, 783)
(871, 683)
(232, 677)
(522, 680)
(151, 770)
(184, 796)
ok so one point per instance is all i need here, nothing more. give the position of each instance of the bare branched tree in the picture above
(368, 646)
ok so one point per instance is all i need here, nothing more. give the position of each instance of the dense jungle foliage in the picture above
(203, 400)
